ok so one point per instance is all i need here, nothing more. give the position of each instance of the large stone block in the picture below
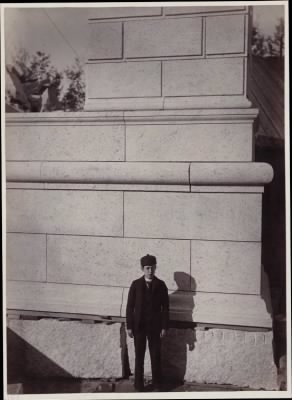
(65, 211)
(64, 143)
(105, 41)
(247, 361)
(220, 308)
(227, 267)
(116, 262)
(122, 12)
(221, 76)
(198, 142)
(230, 361)
(66, 349)
(134, 79)
(226, 309)
(64, 298)
(218, 216)
(199, 10)
(207, 357)
(26, 257)
(225, 34)
(217, 308)
(158, 38)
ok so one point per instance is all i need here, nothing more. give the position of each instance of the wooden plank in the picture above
(62, 316)
(98, 318)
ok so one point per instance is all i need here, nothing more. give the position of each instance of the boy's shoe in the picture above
(139, 388)
(156, 387)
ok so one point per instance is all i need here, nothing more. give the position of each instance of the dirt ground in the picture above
(109, 386)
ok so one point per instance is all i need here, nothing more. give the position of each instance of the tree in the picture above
(279, 37)
(267, 46)
(74, 97)
(258, 43)
(37, 84)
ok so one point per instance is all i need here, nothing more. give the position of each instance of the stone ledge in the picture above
(147, 173)
(167, 103)
(98, 13)
(119, 187)
(135, 116)
(173, 10)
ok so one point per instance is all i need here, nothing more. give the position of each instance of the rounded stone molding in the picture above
(99, 172)
(162, 173)
(246, 173)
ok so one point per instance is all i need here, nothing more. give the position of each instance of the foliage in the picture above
(39, 66)
(37, 73)
(74, 96)
(267, 46)
(279, 37)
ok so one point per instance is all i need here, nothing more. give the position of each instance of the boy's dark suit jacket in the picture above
(160, 304)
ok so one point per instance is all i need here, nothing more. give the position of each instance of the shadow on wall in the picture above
(179, 341)
(273, 225)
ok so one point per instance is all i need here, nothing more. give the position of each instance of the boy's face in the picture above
(149, 271)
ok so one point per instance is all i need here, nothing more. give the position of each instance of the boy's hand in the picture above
(163, 333)
(130, 333)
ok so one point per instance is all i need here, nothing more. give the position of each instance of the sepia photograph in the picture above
(145, 200)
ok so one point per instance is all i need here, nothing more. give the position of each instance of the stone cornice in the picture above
(136, 117)
(147, 173)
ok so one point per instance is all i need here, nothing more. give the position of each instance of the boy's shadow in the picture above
(180, 338)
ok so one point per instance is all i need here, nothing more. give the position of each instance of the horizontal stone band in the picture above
(137, 116)
(162, 173)
(204, 307)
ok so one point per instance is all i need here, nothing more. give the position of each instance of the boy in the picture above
(147, 318)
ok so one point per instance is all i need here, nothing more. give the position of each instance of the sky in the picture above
(266, 17)
(63, 33)
(60, 32)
